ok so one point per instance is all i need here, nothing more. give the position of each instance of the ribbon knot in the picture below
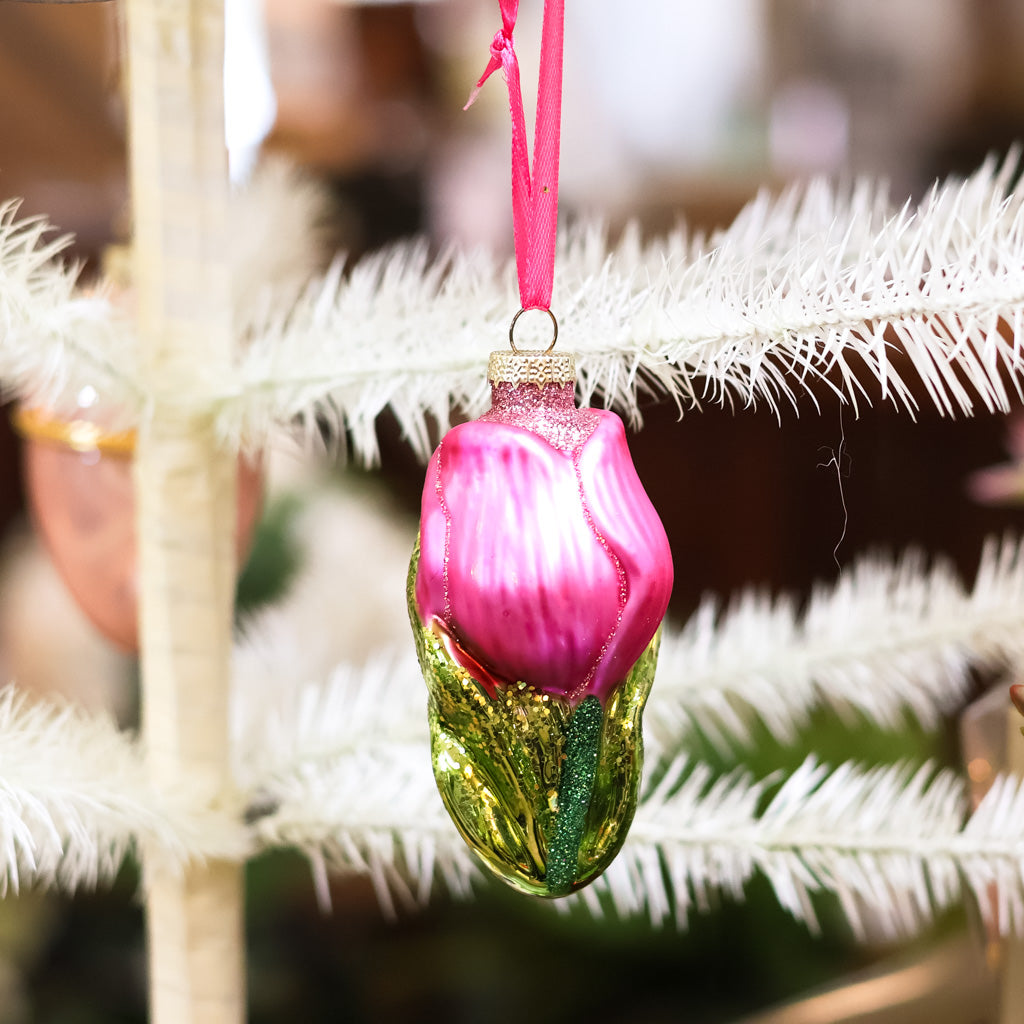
(501, 43)
(503, 55)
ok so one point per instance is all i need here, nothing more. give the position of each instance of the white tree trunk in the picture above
(185, 488)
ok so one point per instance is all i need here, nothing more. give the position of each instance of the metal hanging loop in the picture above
(554, 325)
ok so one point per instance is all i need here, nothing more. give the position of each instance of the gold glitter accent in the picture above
(505, 770)
(531, 366)
(77, 434)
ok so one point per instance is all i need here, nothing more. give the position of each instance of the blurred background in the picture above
(673, 110)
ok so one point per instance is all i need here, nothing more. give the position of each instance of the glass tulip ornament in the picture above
(536, 592)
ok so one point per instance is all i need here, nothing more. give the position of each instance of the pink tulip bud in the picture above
(541, 555)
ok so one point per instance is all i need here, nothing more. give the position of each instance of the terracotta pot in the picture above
(78, 477)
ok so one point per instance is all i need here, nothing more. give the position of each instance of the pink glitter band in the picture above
(548, 410)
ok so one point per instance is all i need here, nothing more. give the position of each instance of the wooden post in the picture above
(185, 488)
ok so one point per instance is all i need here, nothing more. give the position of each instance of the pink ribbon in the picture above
(534, 197)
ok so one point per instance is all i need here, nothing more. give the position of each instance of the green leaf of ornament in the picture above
(543, 792)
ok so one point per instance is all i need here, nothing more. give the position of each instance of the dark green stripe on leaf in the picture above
(577, 784)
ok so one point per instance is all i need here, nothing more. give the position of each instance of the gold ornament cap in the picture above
(531, 366)
(77, 433)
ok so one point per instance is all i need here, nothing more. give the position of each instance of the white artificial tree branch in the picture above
(55, 338)
(893, 844)
(341, 768)
(890, 843)
(60, 335)
(373, 812)
(808, 290)
(890, 637)
(74, 800)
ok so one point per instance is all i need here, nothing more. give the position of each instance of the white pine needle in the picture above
(889, 842)
(373, 812)
(344, 761)
(810, 287)
(55, 339)
(341, 769)
(74, 801)
(58, 337)
(889, 637)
